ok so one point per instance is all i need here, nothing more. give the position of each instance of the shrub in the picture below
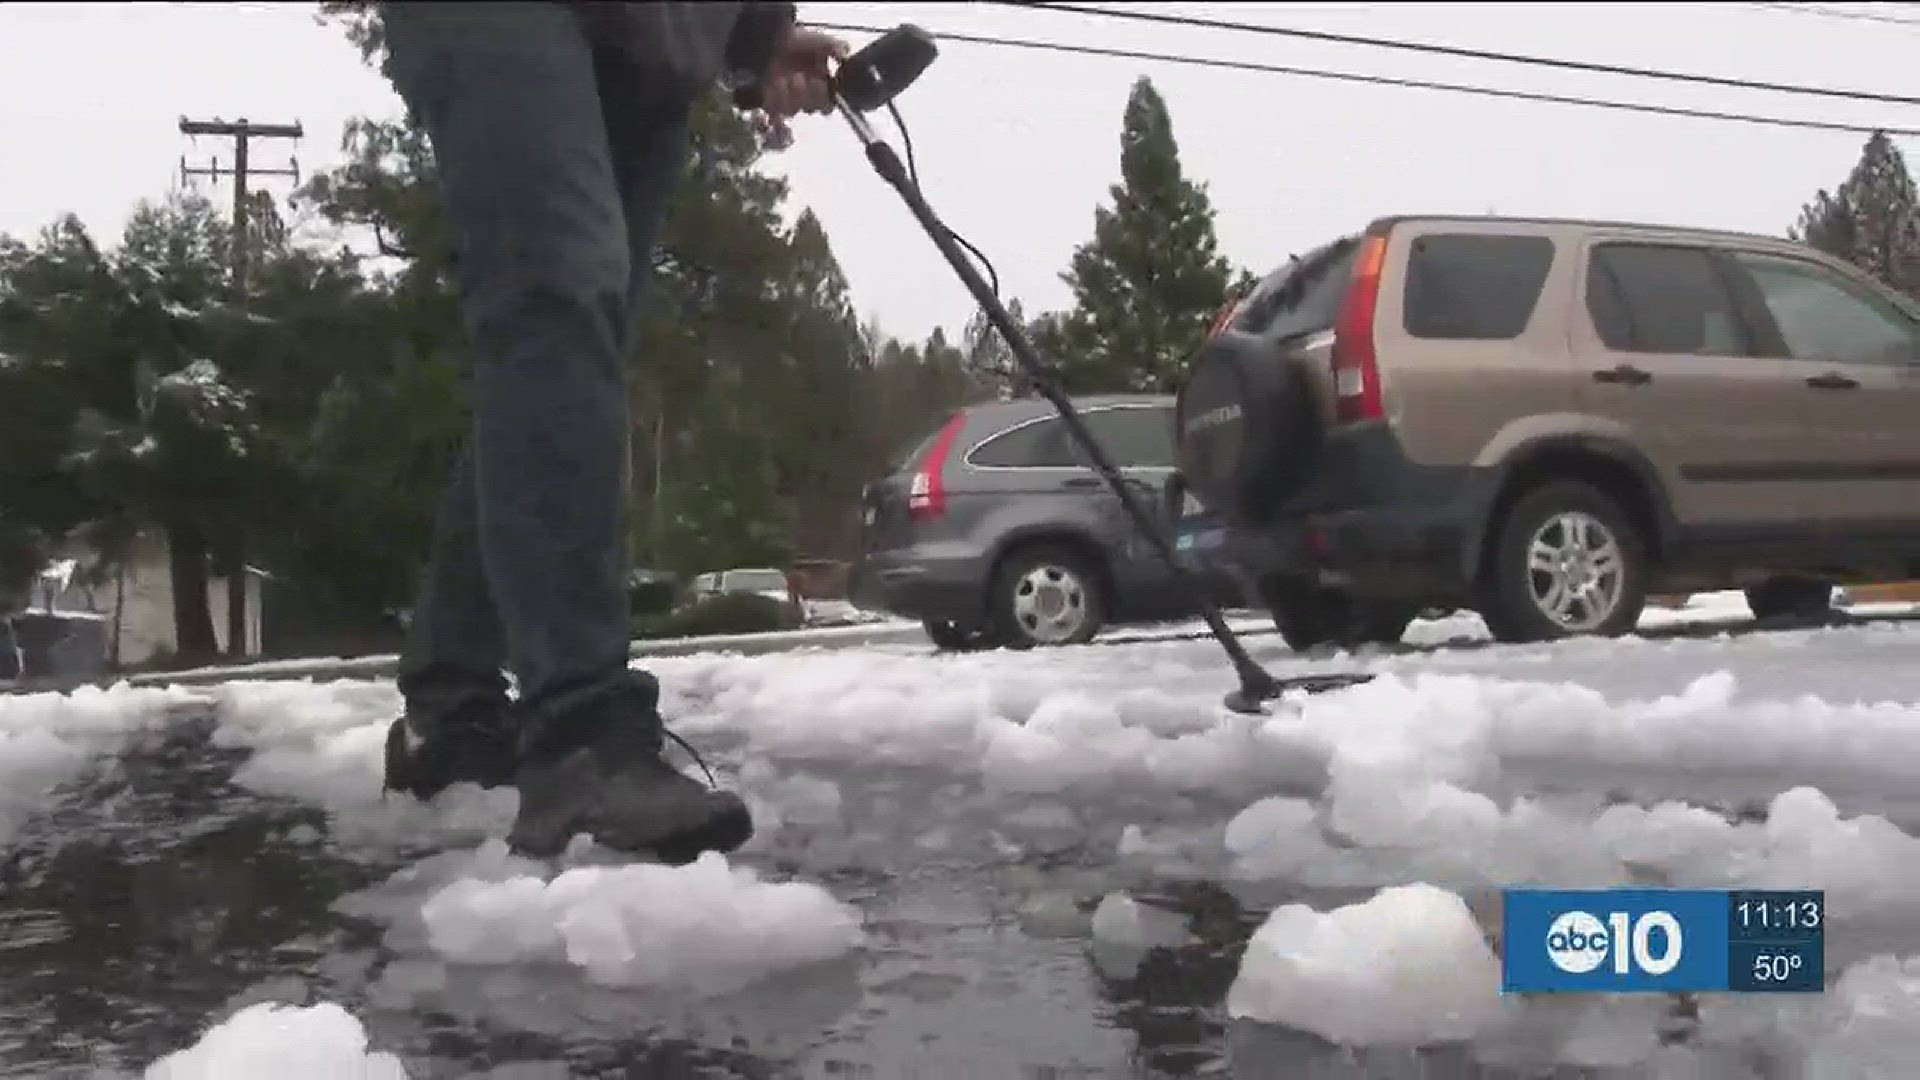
(728, 613)
(652, 597)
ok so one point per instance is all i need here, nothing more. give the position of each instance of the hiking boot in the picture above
(621, 791)
(475, 750)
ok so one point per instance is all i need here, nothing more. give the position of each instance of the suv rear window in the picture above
(1035, 444)
(1474, 286)
(1303, 296)
(1132, 436)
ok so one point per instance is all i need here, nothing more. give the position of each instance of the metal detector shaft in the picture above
(1254, 680)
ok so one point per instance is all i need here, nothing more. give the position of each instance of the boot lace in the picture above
(692, 753)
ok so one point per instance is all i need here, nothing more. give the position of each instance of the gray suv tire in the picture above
(950, 636)
(1309, 616)
(1046, 594)
(1791, 602)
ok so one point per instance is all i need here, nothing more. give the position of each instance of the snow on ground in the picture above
(840, 613)
(321, 1042)
(704, 929)
(1409, 965)
(47, 739)
(1774, 760)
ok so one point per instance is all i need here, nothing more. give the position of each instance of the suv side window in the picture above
(1662, 298)
(1474, 286)
(1821, 316)
(1132, 437)
(1040, 444)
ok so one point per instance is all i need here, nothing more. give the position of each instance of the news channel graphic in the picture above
(1659, 941)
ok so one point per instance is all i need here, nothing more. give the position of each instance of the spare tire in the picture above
(1249, 426)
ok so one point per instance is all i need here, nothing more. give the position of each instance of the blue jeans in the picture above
(557, 163)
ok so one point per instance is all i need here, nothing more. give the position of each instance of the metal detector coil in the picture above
(870, 79)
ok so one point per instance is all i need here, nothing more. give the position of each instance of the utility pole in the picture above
(240, 131)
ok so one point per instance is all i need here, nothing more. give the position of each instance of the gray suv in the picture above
(994, 531)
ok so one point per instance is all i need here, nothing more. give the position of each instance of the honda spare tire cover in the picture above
(1248, 428)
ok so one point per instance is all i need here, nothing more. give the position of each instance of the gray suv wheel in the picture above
(1047, 595)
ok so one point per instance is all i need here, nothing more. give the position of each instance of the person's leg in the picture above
(652, 806)
(508, 96)
(456, 728)
(648, 139)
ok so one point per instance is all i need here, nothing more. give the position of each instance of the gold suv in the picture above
(1545, 421)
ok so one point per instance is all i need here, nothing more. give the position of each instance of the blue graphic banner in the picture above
(1661, 941)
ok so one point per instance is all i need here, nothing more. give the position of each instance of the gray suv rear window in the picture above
(1038, 444)
(1135, 436)
(1474, 286)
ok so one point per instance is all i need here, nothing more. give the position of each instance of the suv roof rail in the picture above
(1590, 223)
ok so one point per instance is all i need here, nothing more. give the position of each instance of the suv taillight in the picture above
(1221, 319)
(1356, 369)
(926, 494)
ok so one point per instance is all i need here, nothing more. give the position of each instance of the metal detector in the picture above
(869, 80)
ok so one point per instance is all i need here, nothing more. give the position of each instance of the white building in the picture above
(138, 600)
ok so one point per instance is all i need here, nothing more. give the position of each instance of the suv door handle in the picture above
(1623, 373)
(1083, 482)
(1832, 381)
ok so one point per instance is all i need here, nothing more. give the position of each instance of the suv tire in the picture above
(1266, 451)
(1309, 616)
(1791, 602)
(1604, 553)
(948, 636)
(1046, 594)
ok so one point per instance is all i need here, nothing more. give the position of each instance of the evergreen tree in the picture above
(990, 360)
(1872, 220)
(1150, 280)
(22, 554)
(759, 401)
(132, 369)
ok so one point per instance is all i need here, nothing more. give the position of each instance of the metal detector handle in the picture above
(1255, 683)
(890, 63)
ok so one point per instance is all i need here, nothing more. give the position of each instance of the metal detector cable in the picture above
(913, 174)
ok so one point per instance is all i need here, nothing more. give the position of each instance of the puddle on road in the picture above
(154, 898)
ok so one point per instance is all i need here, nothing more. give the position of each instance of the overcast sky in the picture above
(1017, 147)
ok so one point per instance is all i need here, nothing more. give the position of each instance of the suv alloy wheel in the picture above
(1566, 560)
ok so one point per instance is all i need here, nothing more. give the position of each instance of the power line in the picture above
(1830, 13)
(1386, 80)
(1472, 54)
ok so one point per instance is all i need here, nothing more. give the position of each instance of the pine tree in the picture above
(1151, 279)
(990, 361)
(1872, 220)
